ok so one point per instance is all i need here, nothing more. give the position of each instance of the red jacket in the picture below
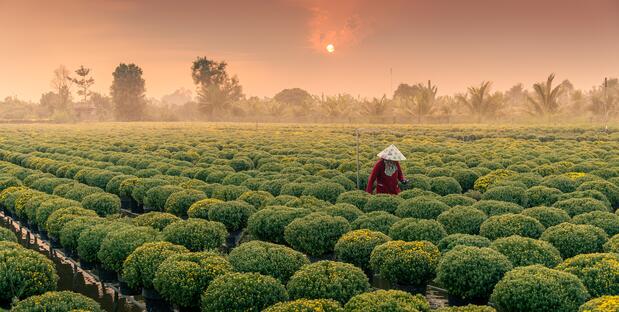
(384, 183)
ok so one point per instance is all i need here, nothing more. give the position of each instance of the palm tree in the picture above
(375, 108)
(546, 101)
(421, 102)
(481, 103)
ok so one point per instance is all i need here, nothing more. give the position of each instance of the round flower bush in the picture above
(471, 272)
(561, 182)
(7, 235)
(467, 308)
(587, 194)
(380, 221)
(140, 266)
(315, 234)
(232, 214)
(523, 251)
(511, 224)
(156, 197)
(412, 193)
(56, 301)
(328, 280)
(382, 202)
(71, 231)
(457, 200)
(89, 241)
(573, 239)
(495, 207)
(542, 196)
(451, 241)
(196, 234)
(228, 192)
(306, 305)
(104, 204)
(201, 208)
(609, 222)
(601, 304)
(179, 202)
(576, 206)
(612, 245)
(599, 272)
(269, 223)
(266, 258)
(118, 245)
(242, 292)
(24, 273)
(511, 194)
(155, 219)
(346, 211)
(327, 191)
(387, 300)
(610, 190)
(258, 199)
(356, 247)
(547, 216)
(406, 263)
(537, 288)
(421, 208)
(466, 178)
(357, 198)
(182, 278)
(459, 219)
(62, 216)
(411, 229)
(445, 186)
(48, 207)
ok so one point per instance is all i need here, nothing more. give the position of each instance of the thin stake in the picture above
(358, 167)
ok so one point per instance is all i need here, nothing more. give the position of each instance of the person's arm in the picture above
(401, 177)
(372, 177)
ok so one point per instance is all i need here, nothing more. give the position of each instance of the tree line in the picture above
(219, 97)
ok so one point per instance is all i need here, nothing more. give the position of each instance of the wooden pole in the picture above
(358, 166)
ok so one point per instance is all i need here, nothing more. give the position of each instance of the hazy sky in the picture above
(277, 44)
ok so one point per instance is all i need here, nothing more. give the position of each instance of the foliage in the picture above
(57, 301)
(232, 214)
(411, 229)
(118, 245)
(380, 221)
(25, 273)
(466, 220)
(315, 234)
(406, 263)
(356, 247)
(178, 203)
(382, 202)
(523, 251)
(196, 234)
(511, 224)
(601, 304)
(242, 292)
(599, 272)
(140, 266)
(266, 258)
(449, 242)
(306, 305)
(421, 207)
(103, 204)
(155, 219)
(573, 239)
(387, 300)
(547, 216)
(269, 223)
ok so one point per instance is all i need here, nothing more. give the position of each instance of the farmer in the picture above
(387, 172)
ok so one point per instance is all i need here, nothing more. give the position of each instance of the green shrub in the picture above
(488, 179)
(327, 191)
(328, 280)
(547, 216)
(60, 217)
(445, 186)
(453, 200)
(266, 258)
(155, 219)
(118, 245)
(104, 204)
(114, 185)
(601, 304)
(156, 197)
(24, 273)
(587, 194)
(387, 300)
(382, 202)
(576, 206)
(182, 278)
(232, 214)
(258, 199)
(561, 182)
(406, 263)
(599, 272)
(380, 221)
(467, 308)
(71, 231)
(179, 202)
(451, 241)
(466, 178)
(609, 222)
(235, 179)
(612, 245)
(48, 207)
(523, 251)
(7, 235)
(471, 272)
(57, 301)
(460, 219)
(196, 234)
(411, 229)
(542, 196)
(306, 305)
(421, 208)
(511, 194)
(412, 193)
(357, 198)
(495, 207)
(201, 208)
(240, 292)
(511, 224)
(228, 192)
(315, 234)
(356, 247)
(269, 223)
(537, 288)
(610, 190)
(573, 239)
(346, 211)
(89, 241)
(140, 266)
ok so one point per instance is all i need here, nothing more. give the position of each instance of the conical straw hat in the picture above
(391, 153)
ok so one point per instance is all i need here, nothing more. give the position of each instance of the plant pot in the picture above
(457, 301)
(68, 252)
(327, 256)
(233, 238)
(151, 294)
(54, 242)
(189, 309)
(380, 282)
(137, 208)
(127, 202)
(413, 289)
(106, 276)
(85, 265)
(33, 227)
(157, 305)
(125, 289)
(43, 234)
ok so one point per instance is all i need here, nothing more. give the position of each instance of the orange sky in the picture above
(276, 44)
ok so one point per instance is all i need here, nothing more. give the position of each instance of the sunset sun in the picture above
(330, 48)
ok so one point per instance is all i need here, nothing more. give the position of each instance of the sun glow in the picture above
(330, 48)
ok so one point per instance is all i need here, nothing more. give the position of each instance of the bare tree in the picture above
(335, 107)
(376, 109)
(605, 100)
(61, 83)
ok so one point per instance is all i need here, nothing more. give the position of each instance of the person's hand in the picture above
(405, 181)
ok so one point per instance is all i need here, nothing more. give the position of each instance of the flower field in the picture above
(244, 217)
